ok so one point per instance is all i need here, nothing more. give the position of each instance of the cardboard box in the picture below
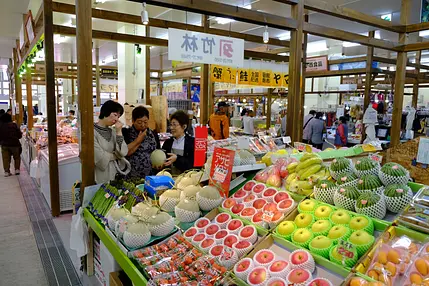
(114, 279)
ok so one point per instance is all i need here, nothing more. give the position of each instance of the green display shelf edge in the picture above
(126, 264)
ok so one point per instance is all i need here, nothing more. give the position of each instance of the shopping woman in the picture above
(110, 148)
(142, 141)
(341, 133)
(179, 148)
(10, 145)
(316, 130)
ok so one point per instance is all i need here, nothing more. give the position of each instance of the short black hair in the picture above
(9, 110)
(319, 115)
(343, 119)
(140, 112)
(312, 112)
(2, 111)
(6, 118)
(180, 116)
(72, 112)
(109, 107)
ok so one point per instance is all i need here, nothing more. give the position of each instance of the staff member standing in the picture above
(180, 147)
(219, 122)
(317, 128)
(306, 138)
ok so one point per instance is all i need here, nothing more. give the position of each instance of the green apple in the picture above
(323, 211)
(307, 205)
(358, 223)
(303, 220)
(321, 225)
(337, 231)
(301, 235)
(321, 242)
(340, 217)
(360, 237)
(286, 227)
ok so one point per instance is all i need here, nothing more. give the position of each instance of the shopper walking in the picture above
(110, 148)
(180, 147)
(316, 128)
(142, 141)
(10, 145)
(342, 133)
(306, 138)
(219, 122)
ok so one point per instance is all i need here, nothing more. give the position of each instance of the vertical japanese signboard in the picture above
(204, 48)
(221, 169)
(201, 134)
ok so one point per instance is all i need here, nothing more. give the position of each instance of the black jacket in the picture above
(185, 162)
(10, 135)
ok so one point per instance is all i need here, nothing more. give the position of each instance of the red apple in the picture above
(283, 171)
(191, 232)
(257, 276)
(222, 218)
(270, 207)
(240, 194)
(298, 276)
(230, 240)
(257, 217)
(216, 250)
(247, 212)
(206, 243)
(278, 266)
(259, 203)
(264, 257)
(199, 237)
(277, 215)
(299, 257)
(248, 186)
(237, 208)
(212, 229)
(247, 231)
(202, 222)
(285, 204)
(319, 282)
(243, 265)
(242, 244)
(269, 192)
(228, 203)
(280, 196)
(249, 198)
(221, 234)
(234, 224)
(276, 281)
(258, 189)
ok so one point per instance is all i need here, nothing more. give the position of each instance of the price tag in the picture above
(287, 140)
(267, 216)
(345, 249)
(220, 174)
(227, 253)
(300, 146)
(376, 157)
(261, 134)
(107, 195)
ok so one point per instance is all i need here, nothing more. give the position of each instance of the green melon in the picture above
(369, 182)
(349, 192)
(326, 184)
(396, 191)
(394, 169)
(340, 164)
(365, 164)
(345, 178)
(367, 200)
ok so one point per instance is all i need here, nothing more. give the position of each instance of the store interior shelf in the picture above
(126, 264)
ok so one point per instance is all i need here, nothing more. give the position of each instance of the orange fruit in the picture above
(416, 278)
(357, 281)
(378, 267)
(427, 248)
(413, 248)
(393, 256)
(373, 274)
(391, 268)
(421, 266)
(382, 257)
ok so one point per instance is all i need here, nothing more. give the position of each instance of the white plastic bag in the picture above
(79, 234)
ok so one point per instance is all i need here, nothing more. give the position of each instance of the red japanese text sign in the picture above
(200, 150)
(221, 169)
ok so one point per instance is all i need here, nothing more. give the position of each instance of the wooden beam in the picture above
(224, 10)
(50, 106)
(269, 102)
(84, 67)
(29, 101)
(412, 28)
(265, 56)
(97, 77)
(395, 131)
(73, 90)
(204, 83)
(414, 47)
(18, 88)
(147, 72)
(334, 73)
(416, 83)
(368, 76)
(57, 92)
(302, 82)
(158, 23)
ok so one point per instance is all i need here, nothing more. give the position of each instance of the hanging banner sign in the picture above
(204, 48)
(230, 75)
(200, 150)
(266, 77)
(255, 77)
(243, 76)
(217, 73)
(109, 72)
(316, 64)
(221, 169)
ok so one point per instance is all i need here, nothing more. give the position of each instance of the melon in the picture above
(158, 159)
(144, 210)
(169, 199)
(187, 210)
(209, 198)
(161, 224)
(122, 224)
(184, 182)
(164, 173)
(137, 235)
(190, 192)
(114, 215)
(196, 177)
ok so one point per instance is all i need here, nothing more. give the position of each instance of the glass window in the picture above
(6, 84)
(6, 91)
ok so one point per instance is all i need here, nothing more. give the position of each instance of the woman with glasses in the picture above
(179, 148)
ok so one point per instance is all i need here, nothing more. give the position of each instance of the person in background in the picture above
(171, 110)
(316, 130)
(10, 145)
(36, 109)
(306, 138)
(341, 133)
(219, 122)
(109, 144)
(359, 124)
(24, 117)
(248, 123)
(2, 112)
(71, 116)
(9, 111)
(180, 147)
(141, 141)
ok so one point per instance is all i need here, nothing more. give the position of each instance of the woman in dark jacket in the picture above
(179, 148)
(10, 145)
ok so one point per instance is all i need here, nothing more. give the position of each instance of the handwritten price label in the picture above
(376, 157)
(346, 249)
(267, 216)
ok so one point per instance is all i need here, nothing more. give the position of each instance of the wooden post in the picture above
(50, 104)
(73, 90)
(295, 103)
(368, 79)
(204, 83)
(302, 82)
(57, 91)
(401, 63)
(18, 90)
(84, 67)
(147, 62)
(161, 61)
(188, 87)
(29, 100)
(97, 76)
(269, 101)
(416, 81)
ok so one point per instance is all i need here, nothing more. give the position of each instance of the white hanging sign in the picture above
(188, 46)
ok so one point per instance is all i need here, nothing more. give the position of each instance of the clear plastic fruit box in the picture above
(283, 249)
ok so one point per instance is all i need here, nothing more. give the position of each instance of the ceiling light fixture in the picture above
(38, 78)
(224, 21)
(145, 15)
(266, 35)
(284, 37)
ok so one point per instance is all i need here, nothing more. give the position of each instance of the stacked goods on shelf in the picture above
(416, 215)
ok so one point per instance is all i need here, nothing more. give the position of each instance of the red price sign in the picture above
(376, 157)
(221, 170)
(267, 216)
(200, 149)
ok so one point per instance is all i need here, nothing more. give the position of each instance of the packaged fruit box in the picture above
(325, 230)
(399, 257)
(358, 279)
(275, 261)
(260, 204)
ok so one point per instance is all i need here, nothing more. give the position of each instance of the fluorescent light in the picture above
(58, 39)
(248, 7)
(167, 73)
(284, 37)
(350, 44)
(110, 59)
(282, 54)
(224, 21)
(99, 1)
(424, 33)
(266, 35)
(154, 74)
(165, 37)
(317, 46)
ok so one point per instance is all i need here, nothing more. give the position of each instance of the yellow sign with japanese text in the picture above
(266, 76)
(243, 76)
(230, 75)
(217, 73)
(255, 77)
(285, 80)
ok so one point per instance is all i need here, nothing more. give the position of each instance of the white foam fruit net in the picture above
(135, 240)
(389, 180)
(324, 195)
(377, 210)
(374, 171)
(162, 229)
(343, 202)
(208, 204)
(398, 204)
(185, 215)
(379, 191)
(348, 170)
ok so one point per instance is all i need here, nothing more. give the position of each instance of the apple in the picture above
(259, 203)
(285, 205)
(361, 237)
(302, 235)
(258, 189)
(340, 217)
(337, 231)
(222, 218)
(199, 237)
(358, 223)
(249, 185)
(239, 195)
(230, 239)
(257, 276)
(243, 265)
(191, 232)
(270, 207)
(228, 203)
(278, 266)
(234, 225)
(284, 171)
(286, 227)
(276, 216)
(250, 198)
(303, 220)
(276, 281)
(307, 205)
(323, 212)
(299, 257)
(319, 282)
(212, 229)
(248, 212)
(321, 242)
(237, 208)
(206, 243)
(247, 231)
(257, 217)
(298, 276)
(281, 196)
(321, 226)
(221, 234)
(270, 192)
(264, 257)
(216, 250)
(202, 223)
(242, 244)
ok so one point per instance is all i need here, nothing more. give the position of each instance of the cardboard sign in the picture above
(221, 169)
(200, 150)
(303, 147)
(376, 157)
